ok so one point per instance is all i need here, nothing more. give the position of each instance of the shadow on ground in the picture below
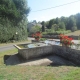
(50, 60)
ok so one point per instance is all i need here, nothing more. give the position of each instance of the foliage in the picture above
(34, 29)
(67, 23)
(62, 25)
(55, 27)
(71, 22)
(66, 40)
(63, 31)
(51, 31)
(42, 39)
(77, 16)
(74, 28)
(13, 18)
(43, 26)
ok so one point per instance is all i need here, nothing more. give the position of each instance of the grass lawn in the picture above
(76, 33)
(36, 72)
(39, 73)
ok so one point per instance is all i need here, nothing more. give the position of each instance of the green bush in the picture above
(8, 31)
(13, 20)
(42, 39)
(57, 32)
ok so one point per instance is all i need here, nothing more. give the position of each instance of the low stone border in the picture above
(65, 52)
(68, 53)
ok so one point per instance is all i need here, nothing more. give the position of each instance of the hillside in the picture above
(76, 33)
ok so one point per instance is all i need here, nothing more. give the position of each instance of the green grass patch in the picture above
(72, 75)
(49, 76)
(39, 73)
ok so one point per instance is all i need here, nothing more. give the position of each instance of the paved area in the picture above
(8, 47)
(11, 45)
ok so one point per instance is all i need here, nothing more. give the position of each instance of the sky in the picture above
(45, 15)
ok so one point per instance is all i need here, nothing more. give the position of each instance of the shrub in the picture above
(66, 40)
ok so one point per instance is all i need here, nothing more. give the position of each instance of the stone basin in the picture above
(32, 50)
(36, 49)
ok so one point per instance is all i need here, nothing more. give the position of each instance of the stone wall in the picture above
(35, 52)
(65, 52)
(68, 53)
(57, 36)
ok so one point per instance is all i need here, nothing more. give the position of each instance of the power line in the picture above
(56, 6)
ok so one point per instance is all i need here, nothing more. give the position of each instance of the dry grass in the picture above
(39, 73)
(76, 33)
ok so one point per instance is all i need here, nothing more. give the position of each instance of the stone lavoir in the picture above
(43, 49)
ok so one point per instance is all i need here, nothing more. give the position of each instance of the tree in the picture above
(50, 23)
(14, 10)
(34, 21)
(57, 20)
(35, 29)
(71, 23)
(78, 20)
(62, 25)
(43, 26)
(47, 24)
(13, 18)
(64, 19)
(22, 8)
(55, 27)
(74, 28)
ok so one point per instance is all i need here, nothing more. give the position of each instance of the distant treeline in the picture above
(63, 23)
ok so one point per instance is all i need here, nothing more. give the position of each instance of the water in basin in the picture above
(52, 42)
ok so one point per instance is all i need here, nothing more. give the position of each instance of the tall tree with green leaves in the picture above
(78, 20)
(43, 26)
(55, 27)
(50, 23)
(71, 23)
(13, 16)
(62, 25)
(57, 20)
